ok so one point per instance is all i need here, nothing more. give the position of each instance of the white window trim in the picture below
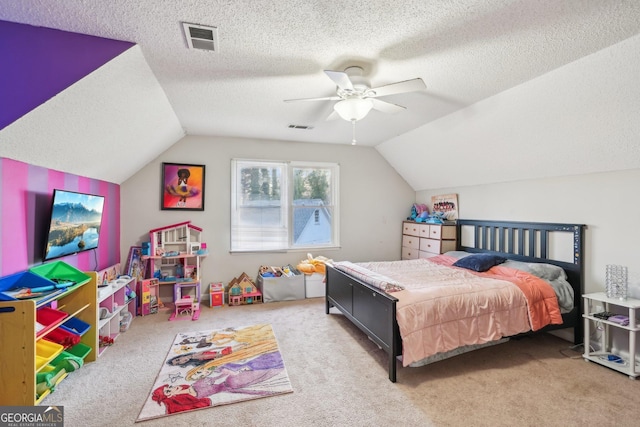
(290, 165)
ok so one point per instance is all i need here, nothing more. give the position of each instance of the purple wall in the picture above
(25, 201)
(38, 63)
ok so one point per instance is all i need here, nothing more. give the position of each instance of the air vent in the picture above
(201, 37)
(300, 127)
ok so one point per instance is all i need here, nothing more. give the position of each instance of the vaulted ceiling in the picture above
(266, 52)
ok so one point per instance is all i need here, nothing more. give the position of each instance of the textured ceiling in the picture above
(269, 51)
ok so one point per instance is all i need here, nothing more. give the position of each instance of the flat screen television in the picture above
(74, 224)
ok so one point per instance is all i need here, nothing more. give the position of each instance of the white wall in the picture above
(374, 200)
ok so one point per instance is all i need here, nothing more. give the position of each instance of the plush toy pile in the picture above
(313, 265)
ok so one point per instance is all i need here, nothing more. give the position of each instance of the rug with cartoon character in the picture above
(211, 368)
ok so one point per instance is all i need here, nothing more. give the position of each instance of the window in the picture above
(279, 206)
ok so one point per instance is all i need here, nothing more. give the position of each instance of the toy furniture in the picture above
(149, 297)
(216, 295)
(184, 303)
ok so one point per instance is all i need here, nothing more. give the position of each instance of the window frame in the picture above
(287, 194)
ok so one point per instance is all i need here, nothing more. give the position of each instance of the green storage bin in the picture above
(59, 271)
(80, 350)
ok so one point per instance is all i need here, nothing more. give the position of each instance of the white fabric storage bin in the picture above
(281, 288)
(314, 285)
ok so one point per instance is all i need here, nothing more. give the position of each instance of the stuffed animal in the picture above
(418, 210)
(313, 265)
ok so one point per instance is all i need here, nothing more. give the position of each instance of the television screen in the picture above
(74, 225)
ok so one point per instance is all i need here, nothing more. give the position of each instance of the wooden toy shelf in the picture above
(19, 340)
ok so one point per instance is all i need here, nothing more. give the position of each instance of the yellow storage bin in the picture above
(46, 351)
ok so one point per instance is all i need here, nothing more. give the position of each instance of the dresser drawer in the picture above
(411, 229)
(430, 245)
(410, 253)
(410, 242)
(436, 231)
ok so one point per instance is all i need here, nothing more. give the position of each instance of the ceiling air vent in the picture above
(201, 37)
(300, 127)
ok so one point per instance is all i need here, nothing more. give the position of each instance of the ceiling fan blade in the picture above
(413, 85)
(326, 98)
(333, 116)
(341, 79)
(386, 107)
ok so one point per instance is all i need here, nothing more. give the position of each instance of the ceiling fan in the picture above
(355, 97)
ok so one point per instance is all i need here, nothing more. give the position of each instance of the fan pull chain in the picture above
(353, 141)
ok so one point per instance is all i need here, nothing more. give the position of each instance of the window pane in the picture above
(259, 218)
(312, 225)
(312, 185)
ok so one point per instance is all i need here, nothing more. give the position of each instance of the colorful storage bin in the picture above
(47, 318)
(59, 271)
(63, 337)
(46, 351)
(80, 350)
(21, 280)
(76, 326)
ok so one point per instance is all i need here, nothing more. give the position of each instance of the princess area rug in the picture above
(205, 369)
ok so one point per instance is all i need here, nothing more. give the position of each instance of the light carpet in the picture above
(205, 369)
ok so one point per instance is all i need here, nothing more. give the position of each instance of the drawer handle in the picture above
(373, 293)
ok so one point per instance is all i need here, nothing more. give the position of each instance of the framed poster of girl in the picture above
(182, 187)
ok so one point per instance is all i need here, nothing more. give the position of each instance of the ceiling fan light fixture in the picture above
(353, 109)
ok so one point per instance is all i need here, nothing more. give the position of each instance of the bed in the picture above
(375, 300)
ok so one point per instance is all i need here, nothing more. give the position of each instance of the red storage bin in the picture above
(48, 318)
(63, 337)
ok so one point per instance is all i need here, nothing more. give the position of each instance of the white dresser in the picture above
(420, 240)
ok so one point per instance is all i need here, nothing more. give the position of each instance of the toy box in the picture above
(281, 288)
(314, 285)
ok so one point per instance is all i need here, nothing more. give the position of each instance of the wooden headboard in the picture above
(530, 242)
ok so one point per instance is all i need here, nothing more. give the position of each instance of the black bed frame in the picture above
(374, 311)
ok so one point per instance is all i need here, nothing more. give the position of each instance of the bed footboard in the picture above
(371, 310)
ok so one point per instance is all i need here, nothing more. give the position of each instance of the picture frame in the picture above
(447, 204)
(182, 187)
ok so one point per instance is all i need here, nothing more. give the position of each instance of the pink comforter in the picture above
(443, 308)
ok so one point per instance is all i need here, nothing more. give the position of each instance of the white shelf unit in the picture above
(113, 297)
(628, 366)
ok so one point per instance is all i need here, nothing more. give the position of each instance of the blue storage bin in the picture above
(25, 279)
(76, 326)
